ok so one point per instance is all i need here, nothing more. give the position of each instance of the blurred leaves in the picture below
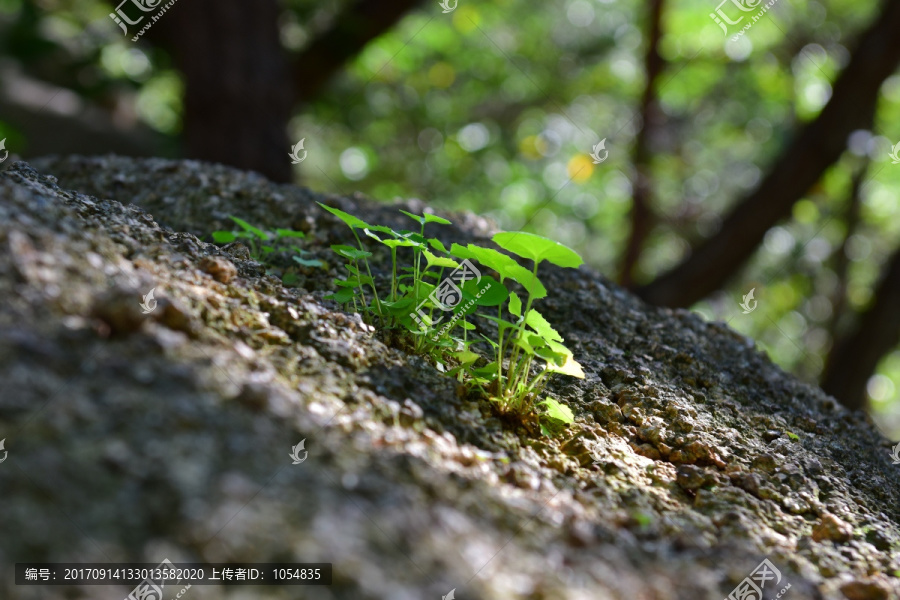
(495, 107)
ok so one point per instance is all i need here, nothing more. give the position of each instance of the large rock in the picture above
(138, 437)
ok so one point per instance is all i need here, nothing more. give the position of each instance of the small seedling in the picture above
(263, 243)
(429, 308)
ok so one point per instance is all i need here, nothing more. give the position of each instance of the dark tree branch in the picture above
(854, 358)
(641, 200)
(357, 25)
(813, 149)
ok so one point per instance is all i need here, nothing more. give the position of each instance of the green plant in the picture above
(263, 243)
(415, 304)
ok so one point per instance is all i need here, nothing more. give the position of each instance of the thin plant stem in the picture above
(394, 274)
(369, 271)
(521, 326)
(362, 291)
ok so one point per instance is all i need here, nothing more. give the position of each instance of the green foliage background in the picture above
(495, 106)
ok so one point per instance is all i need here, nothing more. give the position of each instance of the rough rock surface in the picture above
(138, 437)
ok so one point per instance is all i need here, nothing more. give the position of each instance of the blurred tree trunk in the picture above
(813, 149)
(642, 217)
(238, 96)
(241, 87)
(853, 359)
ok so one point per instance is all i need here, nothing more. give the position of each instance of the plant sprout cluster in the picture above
(431, 315)
(263, 244)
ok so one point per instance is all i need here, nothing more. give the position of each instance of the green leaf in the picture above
(504, 324)
(489, 371)
(342, 295)
(446, 342)
(413, 236)
(350, 252)
(429, 218)
(462, 252)
(466, 357)
(308, 262)
(557, 410)
(515, 305)
(642, 519)
(369, 232)
(504, 265)
(493, 293)
(537, 248)
(350, 283)
(248, 227)
(490, 341)
(401, 307)
(289, 233)
(398, 243)
(223, 237)
(425, 290)
(524, 344)
(437, 245)
(361, 277)
(426, 218)
(347, 218)
(439, 261)
(551, 356)
(570, 367)
(416, 218)
(391, 243)
(536, 321)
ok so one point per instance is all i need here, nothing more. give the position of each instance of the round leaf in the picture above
(504, 265)
(537, 248)
(493, 293)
